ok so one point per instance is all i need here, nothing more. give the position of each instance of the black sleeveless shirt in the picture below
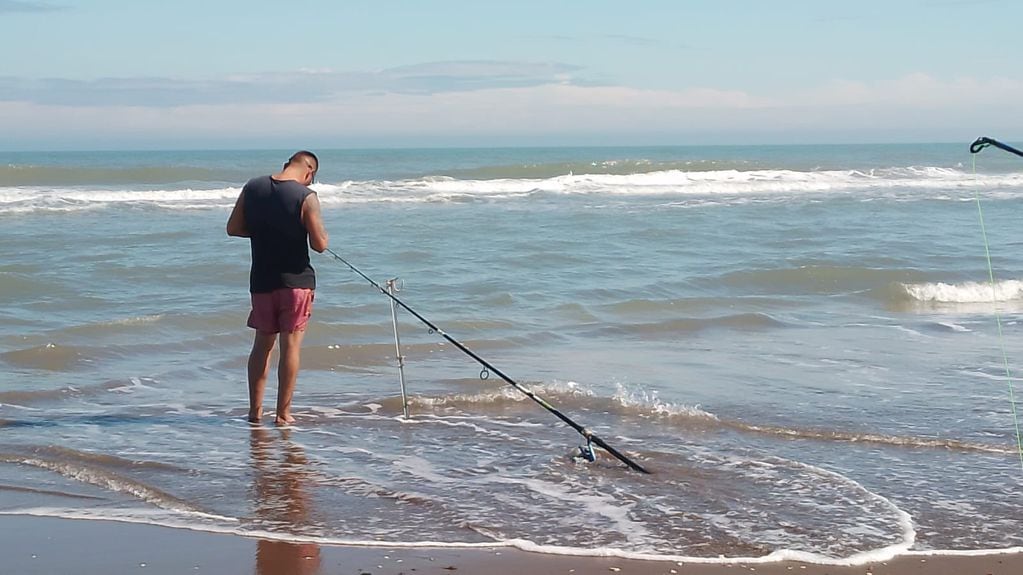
(279, 241)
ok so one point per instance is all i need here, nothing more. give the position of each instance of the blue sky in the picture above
(112, 74)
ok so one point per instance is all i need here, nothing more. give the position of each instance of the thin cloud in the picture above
(915, 106)
(634, 40)
(915, 90)
(315, 85)
(460, 76)
(639, 41)
(28, 6)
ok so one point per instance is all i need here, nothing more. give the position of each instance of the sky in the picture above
(209, 74)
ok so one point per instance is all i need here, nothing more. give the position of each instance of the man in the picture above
(281, 217)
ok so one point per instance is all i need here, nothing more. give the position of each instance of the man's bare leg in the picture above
(259, 369)
(287, 374)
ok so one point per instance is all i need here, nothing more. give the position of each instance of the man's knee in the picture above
(263, 343)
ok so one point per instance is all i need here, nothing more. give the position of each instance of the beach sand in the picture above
(46, 545)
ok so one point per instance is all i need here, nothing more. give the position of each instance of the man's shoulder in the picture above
(258, 181)
(292, 185)
(292, 189)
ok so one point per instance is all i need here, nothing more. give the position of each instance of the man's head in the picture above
(302, 166)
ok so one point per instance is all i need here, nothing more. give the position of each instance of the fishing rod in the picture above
(591, 438)
(978, 145)
(981, 143)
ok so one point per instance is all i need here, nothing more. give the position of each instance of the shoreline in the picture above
(36, 544)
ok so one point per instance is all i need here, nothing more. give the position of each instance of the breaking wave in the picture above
(966, 292)
(909, 184)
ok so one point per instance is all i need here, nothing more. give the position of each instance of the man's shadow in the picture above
(280, 474)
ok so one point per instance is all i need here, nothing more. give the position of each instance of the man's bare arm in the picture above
(236, 223)
(312, 219)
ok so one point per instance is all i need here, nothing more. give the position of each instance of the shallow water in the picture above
(800, 343)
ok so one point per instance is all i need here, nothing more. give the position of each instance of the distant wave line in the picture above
(442, 189)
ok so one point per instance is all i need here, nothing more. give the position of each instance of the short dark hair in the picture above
(304, 154)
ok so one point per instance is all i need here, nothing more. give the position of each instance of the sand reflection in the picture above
(281, 473)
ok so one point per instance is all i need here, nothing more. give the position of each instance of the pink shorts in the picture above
(286, 309)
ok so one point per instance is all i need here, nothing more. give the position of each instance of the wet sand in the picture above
(47, 545)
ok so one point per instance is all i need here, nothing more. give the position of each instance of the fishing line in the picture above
(591, 438)
(975, 148)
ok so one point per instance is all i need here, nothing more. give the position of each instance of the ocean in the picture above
(803, 344)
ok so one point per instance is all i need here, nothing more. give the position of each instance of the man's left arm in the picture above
(312, 219)
(236, 223)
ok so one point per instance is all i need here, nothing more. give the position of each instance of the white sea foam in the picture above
(674, 183)
(605, 506)
(39, 199)
(649, 401)
(142, 319)
(22, 407)
(967, 292)
(230, 526)
(111, 482)
(955, 327)
(505, 393)
(452, 422)
(947, 183)
(134, 385)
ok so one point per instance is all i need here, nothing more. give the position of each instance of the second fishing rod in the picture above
(590, 437)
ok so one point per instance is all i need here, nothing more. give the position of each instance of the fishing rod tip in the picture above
(979, 144)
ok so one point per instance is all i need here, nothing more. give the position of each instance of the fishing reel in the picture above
(586, 451)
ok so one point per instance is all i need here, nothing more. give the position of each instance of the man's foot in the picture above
(257, 416)
(285, 419)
